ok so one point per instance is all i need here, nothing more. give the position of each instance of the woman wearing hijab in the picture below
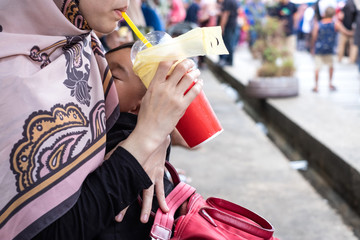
(58, 101)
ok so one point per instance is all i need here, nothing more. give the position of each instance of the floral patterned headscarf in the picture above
(57, 99)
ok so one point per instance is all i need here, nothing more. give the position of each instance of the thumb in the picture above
(121, 215)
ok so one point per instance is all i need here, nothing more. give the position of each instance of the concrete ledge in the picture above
(263, 87)
(338, 173)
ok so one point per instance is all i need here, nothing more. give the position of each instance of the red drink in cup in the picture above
(199, 123)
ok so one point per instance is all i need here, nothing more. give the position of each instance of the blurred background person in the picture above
(244, 26)
(346, 43)
(298, 24)
(255, 13)
(230, 29)
(321, 5)
(135, 13)
(177, 12)
(152, 17)
(323, 44)
(286, 13)
(208, 13)
(357, 29)
(308, 22)
(192, 12)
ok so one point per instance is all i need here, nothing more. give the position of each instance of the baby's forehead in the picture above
(117, 52)
(124, 46)
(121, 66)
(120, 57)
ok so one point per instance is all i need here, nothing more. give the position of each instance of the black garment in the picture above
(104, 193)
(130, 228)
(285, 12)
(121, 130)
(317, 11)
(192, 13)
(232, 7)
(231, 32)
(349, 11)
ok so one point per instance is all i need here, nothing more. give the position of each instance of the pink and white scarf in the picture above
(57, 99)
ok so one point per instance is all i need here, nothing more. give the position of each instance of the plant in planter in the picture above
(275, 76)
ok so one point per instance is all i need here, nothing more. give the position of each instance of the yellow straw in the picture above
(136, 30)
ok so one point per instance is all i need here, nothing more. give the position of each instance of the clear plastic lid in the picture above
(154, 38)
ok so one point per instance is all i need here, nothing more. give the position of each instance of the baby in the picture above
(129, 87)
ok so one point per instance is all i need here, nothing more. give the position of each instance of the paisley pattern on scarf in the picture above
(71, 11)
(46, 153)
(40, 55)
(78, 68)
(77, 72)
(99, 50)
(97, 47)
(39, 127)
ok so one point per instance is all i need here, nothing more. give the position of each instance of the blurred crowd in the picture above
(240, 21)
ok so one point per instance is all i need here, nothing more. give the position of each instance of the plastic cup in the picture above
(199, 124)
(153, 38)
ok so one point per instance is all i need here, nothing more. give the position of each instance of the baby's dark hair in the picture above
(122, 46)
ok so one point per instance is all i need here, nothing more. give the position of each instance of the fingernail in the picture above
(119, 217)
(145, 218)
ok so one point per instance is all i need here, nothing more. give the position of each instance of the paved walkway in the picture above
(244, 166)
(332, 117)
(324, 126)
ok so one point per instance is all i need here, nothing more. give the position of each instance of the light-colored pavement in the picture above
(322, 128)
(331, 117)
(242, 165)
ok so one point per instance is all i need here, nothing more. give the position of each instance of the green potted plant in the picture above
(275, 76)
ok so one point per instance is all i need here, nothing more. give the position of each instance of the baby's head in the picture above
(129, 87)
